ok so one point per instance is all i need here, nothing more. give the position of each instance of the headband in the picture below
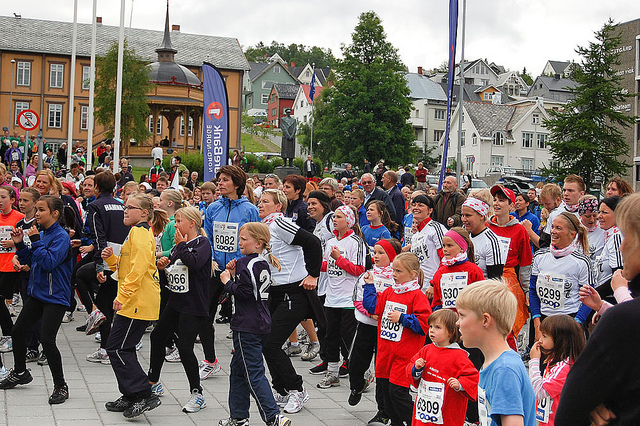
(388, 248)
(348, 213)
(568, 217)
(477, 205)
(588, 205)
(458, 240)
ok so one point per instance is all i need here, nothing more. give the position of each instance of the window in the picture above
(437, 135)
(150, 123)
(498, 139)
(527, 163)
(304, 119)
(474, 140)
(274, 111)
(181, 125)
(307, 73)
(264, 99)
(55, 116)
(535, 118)
(488, 96)
(276, 69)
(267, 84)
(497, 160)
(56, 76)
(485, 82)
(84, 117)
(542, 140)
(190, 130)
(469, 163)
(273, 97)
(23, 76)
(301, 104)
(86, 77)
(440, 114)
(462, 138)
(527, 140)
(20, 106)
(159, 125)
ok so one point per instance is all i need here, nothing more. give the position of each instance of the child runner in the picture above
(137, 303)
(561, 340)
(487, 310)
(49, 290)
(344, 261)
(380, 225)
(456, 271)
(188, 271)
(248, 279)
(403, 311)
(207, 193)
(443, 374)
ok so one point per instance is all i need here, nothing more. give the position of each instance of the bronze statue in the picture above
(288, 126)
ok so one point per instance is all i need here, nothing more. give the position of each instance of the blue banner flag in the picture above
(215, 121)
(312, 90)
(453, 33)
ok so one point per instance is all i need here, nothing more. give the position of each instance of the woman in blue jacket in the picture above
(49, 291)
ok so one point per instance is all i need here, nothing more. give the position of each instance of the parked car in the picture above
(517, 184)
(478, 184)
(500, 171)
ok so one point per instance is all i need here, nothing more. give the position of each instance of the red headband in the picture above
(388, 248)
(457, 238)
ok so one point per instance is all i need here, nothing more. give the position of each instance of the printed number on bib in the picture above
(550, 289)
(391, 330)
(421, 251)
(5, 234)
(408, 233)
(484, 408)
(542, 409)
(225, 237)
(178, 277)
(451, 285)
(332, 269)
(429, 402)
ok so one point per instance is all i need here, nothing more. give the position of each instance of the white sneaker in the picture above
(4, 373)
(296, 401)
(281, 400)
(16, 299)
(100, 356)
(68, 317)
(329, 380)
(172, 355)
(196, 403)
(6, 344)
(208, 368)
(98, 337)
(311, 351)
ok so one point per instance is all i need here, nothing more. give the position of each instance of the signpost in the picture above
(28, 120)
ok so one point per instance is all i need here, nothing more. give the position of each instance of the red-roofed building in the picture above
(302, 103)
(281, 97)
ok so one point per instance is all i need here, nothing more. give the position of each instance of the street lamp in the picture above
(13, 61)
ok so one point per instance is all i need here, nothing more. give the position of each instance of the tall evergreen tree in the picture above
(586, 136)
(366, 111)
(135, 87)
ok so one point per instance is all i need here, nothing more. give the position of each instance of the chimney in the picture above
(420, 70)
(556, 76)
(175, 28)
(293, 64)
(99, 20)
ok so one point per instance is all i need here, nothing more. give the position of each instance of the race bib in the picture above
(333, 270)
(408, 233)
(550, 290)
(451, 285)
(5, 234)
(543, 408)
(391, 330)
(484, 408)
(225, 237)
(15, 156)
(381, 283)
(504, 244)
(421, 252)
(178, 277)
(429, 402)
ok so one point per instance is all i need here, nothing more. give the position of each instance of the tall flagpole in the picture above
(72, 86)
(92, 83)
(116, 131)
(461, 95)
(313, 74)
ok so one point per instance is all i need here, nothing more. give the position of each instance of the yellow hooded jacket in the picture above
(138, 284)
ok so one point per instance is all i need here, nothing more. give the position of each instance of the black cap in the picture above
(320, 195)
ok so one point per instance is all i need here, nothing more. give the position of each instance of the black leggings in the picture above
(207, 329)
(51, 315)
(398, 404)
(86, 296)
(186, 327)
(105, 293)
(7, 281)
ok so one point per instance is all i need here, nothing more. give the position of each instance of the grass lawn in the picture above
(139, 171)
(254, 143)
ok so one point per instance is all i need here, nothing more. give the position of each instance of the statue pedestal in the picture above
(284, 171)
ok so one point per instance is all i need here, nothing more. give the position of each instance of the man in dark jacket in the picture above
(367, 166)
(293, 187)
(310, 168)
(449, 204)
(407, 178)
(373, 192)
(390, 184)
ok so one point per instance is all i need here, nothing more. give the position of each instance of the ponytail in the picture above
(581, 231)
(260, 232)
(271, 258)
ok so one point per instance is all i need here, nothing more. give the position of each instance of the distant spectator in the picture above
(421, 177)
(448, 204)
(157, 152)
(193, 181)
(390, 184)
(310, 168)
(407, 179)
(105, 154)
(367, 166)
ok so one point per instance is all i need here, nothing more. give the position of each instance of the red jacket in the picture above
(473, 271)
(519, 248)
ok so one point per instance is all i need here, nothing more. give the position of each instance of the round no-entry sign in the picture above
(28, 120)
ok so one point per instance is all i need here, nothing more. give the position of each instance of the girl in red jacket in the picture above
(403, 311)
(443, 373)
(456, 270)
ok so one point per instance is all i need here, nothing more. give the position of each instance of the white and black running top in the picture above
(425, 244)
(488, 252)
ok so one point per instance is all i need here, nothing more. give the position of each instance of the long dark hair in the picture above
(384, 215)
(567, 336)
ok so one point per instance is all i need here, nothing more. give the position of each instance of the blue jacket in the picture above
(238, 211)
(50, 261)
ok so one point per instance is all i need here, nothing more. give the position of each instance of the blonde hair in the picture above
(551, 190)
(278, 197)
(130, 184)
(628, 217)
(411, 262)
(491, 297)
(155, 218)
(192, 213)
(358, 192)
(260, 232)
(576, 226)
(248, 191)
(175, 197)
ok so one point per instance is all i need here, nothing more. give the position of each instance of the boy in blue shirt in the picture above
(487, 311)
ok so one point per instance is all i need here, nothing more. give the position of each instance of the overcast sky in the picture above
(513, 33)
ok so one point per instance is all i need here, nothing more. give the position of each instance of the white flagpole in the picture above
(461, 95)
(72, 85)
(116, 132)
(92, 83)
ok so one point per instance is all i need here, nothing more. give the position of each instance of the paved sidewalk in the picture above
(91, 385)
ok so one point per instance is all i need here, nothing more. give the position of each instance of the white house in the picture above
(302, 103)
(428, 117)
(512, 84)
(477, 72)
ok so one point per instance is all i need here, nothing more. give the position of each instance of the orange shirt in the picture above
(9, 220)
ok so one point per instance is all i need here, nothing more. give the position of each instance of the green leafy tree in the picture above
(526, 77)
(586, 136)
(135, 87)
(298, 53)
(364, 115)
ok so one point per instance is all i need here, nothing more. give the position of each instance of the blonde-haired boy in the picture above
(487, 310)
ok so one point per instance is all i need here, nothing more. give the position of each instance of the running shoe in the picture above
(81, 308)
(319, 369)
(223, 320)
(96, 318)
(344, 370)
(291, 350)
(196, 402)
(32, 355)
(142, 406)
(380, 417)
(68, 317)
(208, 368)
(157, 389)
(13, 379)
(98, 337)
(6, 344)
(234, 422)
(280, 420)
(172, 355)
(369, 378)
(82, 328)
(303, 337)
(311, 351)
(98, 356)
(296, 401)
(329, 380)
(42, 359)
(4, 373)
(119, 405)
(16, 299)
(60, 394)
(281, 400)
